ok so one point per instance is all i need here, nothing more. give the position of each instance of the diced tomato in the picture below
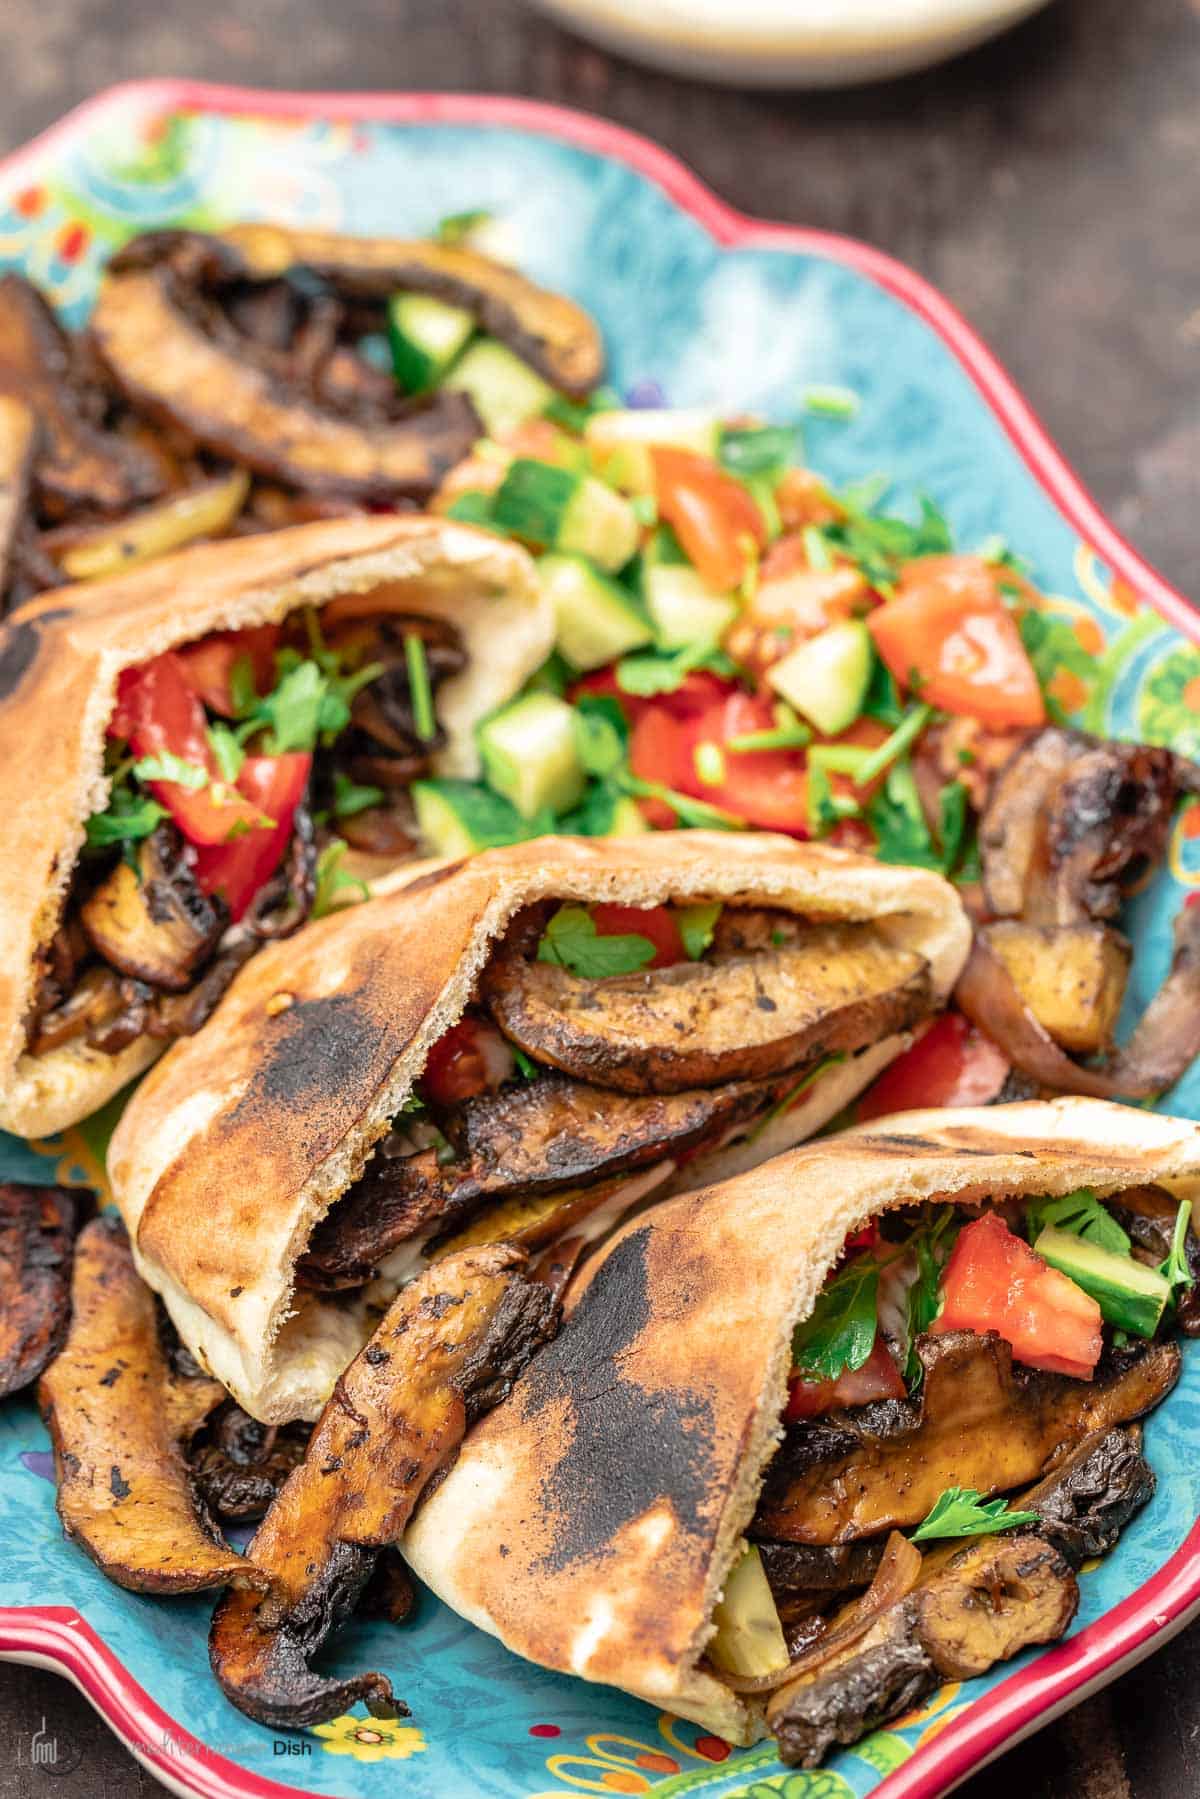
(472, 1058)
(803, 499)
(995, 1282)
(158, 712)
(878, 1378)
(711, 513)
(272, 786)
(948, 635)
(768, 788)
(951, 1064)
(656, 923)
(209, 664)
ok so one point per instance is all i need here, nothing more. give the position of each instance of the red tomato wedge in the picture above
(272, 786)
(951, 1064)
(711, 513)
(159, 713)
(994, 1282)
(472, 1058)
(767, 788)
(948, 635)
(655, 923)
(209, 664)
(878, 1378)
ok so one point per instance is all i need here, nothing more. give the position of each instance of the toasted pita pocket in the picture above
(591, 1521)
(244, 1136)
(60, 658)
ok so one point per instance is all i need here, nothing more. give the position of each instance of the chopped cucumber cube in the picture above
(426, 335)
(457, 818)
(826, 678)
(1129, 1295)
(596, 619)
(749, 1638)
(627, 819)
(621, 442)
(530, 755)
(682, 608)
(561, 509)
(505, 390)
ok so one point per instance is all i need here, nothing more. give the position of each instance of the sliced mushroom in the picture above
(172, 370)
(978, 1424)
(838, 987)
(89, 1009)
(18, 436)
(1072, 977)
(239, 1465)
(153, 923)
(448, 1349)
(545, 1137)
(77, 463)
(1073, 822)
(550, 332)
(992, 1599)
(982, 1606)
(117, 1415)
(1084, 1504)
(37, 1237)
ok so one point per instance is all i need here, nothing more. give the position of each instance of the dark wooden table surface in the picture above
(1050, 184)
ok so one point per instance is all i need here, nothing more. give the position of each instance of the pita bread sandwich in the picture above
(515, 1048)
(760, 1387)
(189, 739)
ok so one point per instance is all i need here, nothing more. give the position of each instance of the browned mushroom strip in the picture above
(979, 1424)
(89, 552)
(1166, 1039)
(153, 922)
(449, 1348)
(37, 1231)
(549, 331)
(835, 988)
(171, 370)
(117, 1415)
(522, 1143)
(1072, 977)
(77, 463)
(18, 434)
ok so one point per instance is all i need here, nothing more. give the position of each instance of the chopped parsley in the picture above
(350, 798)
(332, 880)
(570, 941)
(839, 1334)
(1175, 1269)
(1080, 1213)
(963, 1512)
(167, 766)
(664, 671)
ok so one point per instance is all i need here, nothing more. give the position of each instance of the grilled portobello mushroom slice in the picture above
(153, 923)
(746, 1016)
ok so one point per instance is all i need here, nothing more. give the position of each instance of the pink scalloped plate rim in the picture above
(1061, 1676)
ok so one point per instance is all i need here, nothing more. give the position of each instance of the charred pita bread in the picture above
(244, 1136)
(591, 1521)
(60, 658)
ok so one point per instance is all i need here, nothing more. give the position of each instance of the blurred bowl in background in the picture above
(788, 43)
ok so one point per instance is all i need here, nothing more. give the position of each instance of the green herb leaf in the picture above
(952, 822)
(898, 822)
(932, 1243)
(1052, 647)
(243, 692)
(570, 940)
(601, 733)
(166, 766)
(457, 227)
(832, 402)
(420, 686)
(526, 1065)
(963, 1512)
(332, 879)
(127, 819)
(895, 746)
(349, 798)
(840, 1332)
(227, 750)
(692, 813)
(883, 701)
(653, 671)
(1080, 1213)
(759, 450)
(825, 807)
(696, 927)
(1175, 1268)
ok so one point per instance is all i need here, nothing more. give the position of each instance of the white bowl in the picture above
(788, 43)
